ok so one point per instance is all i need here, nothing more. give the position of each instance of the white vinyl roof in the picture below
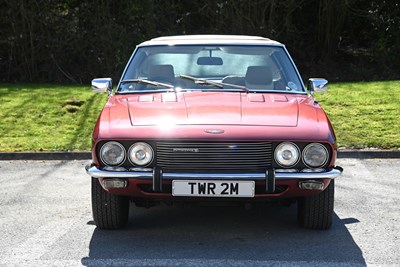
(211, 40)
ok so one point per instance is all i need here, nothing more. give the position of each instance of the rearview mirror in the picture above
(102, 85)
(317, 85)
(209, 61)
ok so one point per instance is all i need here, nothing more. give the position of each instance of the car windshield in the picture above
(217, 67)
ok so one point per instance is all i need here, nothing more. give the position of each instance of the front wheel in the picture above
(109, 211)
(316, 212)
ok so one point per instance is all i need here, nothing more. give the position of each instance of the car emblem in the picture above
(214, 131)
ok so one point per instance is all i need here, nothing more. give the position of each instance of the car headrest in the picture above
(162, 73)
(259, 77)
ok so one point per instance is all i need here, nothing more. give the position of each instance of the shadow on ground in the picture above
(222, 233)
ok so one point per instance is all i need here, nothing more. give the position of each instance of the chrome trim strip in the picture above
(214, 176)
(97, 173)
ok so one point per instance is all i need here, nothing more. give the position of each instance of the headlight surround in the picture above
(141, 154)
(287, 154)
(315, 155)
(112, 153)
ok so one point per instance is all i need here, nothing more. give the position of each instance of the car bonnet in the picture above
(212, 108)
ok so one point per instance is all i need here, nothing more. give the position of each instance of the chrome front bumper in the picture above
(150, 175)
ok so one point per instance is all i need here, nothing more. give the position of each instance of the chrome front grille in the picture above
(214, 156)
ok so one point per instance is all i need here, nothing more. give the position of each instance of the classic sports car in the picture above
(212, 118)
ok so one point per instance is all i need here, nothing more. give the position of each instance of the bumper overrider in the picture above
(157, 176)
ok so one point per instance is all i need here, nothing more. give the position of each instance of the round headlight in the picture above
(112, 153)
(315, 155)
(287, 154)
(141, 154)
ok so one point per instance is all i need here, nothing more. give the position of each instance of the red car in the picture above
(212, 118)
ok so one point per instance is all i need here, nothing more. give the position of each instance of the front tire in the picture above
(109, 211)
(316, 212)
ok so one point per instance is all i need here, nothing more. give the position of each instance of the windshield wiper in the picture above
(154, 83)
(147, 82)
(200, 81)
(217, 84)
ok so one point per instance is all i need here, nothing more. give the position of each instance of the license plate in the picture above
(213, 188)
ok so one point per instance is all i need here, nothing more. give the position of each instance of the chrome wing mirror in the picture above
(102, 85)
(317, 85)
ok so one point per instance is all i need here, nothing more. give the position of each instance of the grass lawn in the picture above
(47, 117)
(61, 118)
(364, 114)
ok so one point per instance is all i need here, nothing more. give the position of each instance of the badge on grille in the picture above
(187, 150)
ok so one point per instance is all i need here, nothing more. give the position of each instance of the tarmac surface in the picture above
(45, 220)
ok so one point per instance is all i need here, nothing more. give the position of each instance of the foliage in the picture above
(72, 41)
(61, 118)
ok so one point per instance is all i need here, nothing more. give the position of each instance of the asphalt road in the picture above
(45, 220)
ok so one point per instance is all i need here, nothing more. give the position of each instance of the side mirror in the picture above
(102, 85)
(317, 85)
